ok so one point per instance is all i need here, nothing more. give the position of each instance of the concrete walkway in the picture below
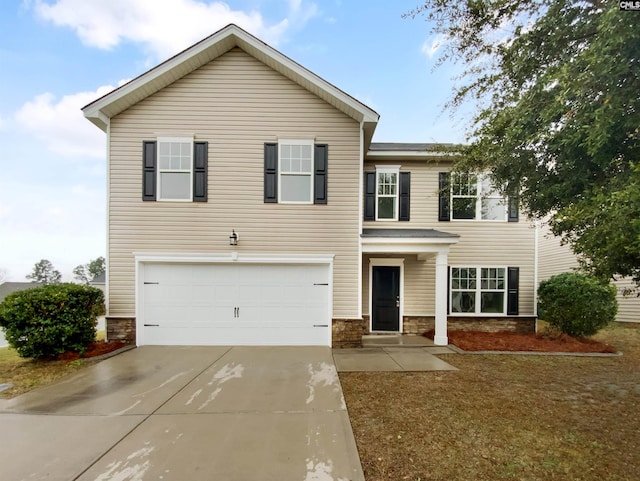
(192, 413)
(369, 359)
(393, 353)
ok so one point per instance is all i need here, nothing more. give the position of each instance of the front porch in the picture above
(420, 256)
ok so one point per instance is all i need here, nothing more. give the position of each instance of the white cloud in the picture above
(163, 28)
(431, 47)
(60, 124)
(300, 13)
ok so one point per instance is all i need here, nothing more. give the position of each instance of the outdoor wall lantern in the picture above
(233, 238)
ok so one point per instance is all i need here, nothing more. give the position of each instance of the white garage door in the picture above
(234, 304)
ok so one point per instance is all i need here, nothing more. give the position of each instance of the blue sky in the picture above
(59, 55)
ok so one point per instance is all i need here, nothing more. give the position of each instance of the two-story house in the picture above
(247, 205)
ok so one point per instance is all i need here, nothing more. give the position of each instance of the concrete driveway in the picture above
(186, 413)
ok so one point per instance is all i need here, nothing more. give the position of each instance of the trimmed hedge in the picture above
(50, 320)
(577, 304)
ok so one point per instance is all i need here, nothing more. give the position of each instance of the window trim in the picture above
(478, 291)
(389, 169)
(479, 197)
(311, 144)
(159, 141)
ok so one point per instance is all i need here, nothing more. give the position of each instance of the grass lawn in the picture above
(503, 417)
(27, 374)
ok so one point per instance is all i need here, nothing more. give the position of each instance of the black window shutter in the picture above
(369, 196)
(514, 208)
(320, 157)
(200, 162)
(443, 196)
(149, 170)
(448, 290)
(271, 172)
(405, 190)
(513, 280)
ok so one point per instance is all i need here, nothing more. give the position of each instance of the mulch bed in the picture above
(512, 341)
(97, 348)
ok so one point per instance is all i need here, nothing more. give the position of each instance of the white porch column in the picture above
(440, 338)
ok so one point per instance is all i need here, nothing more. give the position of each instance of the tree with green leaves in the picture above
(45, 273)
(85, 273)
(557, 89)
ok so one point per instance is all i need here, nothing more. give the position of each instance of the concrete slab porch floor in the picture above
(186, 413)
(393, 353)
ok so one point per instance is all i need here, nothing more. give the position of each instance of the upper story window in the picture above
(387, 193)
(474, 198)
(175, 169)
(296, 171)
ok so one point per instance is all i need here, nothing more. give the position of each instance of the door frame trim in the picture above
(141, 259)
(393, 262)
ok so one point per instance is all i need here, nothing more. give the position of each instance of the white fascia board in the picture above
(295, 71)
(395, 154)
(380, 245)
(404, 249)
(94, 109)
(445, 241)
(247, 42)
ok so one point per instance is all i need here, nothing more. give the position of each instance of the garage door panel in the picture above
(237, 304)
(227, 336)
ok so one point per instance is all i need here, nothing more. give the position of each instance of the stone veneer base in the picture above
(419, 324)
(347, 333)
(121, 329)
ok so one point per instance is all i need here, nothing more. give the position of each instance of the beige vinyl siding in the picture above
(556, 258)
(235, 103)
(628, 305)
(481, 244)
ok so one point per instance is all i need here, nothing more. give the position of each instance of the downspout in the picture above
(535, 268)
(107, 257)
(360, 210)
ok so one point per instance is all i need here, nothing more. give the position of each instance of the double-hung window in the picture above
(175, 169)
(474, 198)
(296, 171)
(387, 193)
(478, 290)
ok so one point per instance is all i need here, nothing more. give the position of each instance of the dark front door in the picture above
(385, 298)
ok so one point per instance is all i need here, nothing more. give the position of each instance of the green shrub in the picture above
(577, 304)
(52, 319)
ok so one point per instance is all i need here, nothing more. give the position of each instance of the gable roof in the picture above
(7, 288)
(409, 151)
(99, 279)
(101, 110)
(407, 147)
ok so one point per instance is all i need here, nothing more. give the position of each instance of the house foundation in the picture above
(121, 329)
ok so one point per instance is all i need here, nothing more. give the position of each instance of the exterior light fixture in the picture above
(233, 238)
